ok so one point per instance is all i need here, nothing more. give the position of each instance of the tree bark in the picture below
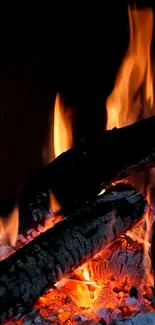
(27, 273)
(83, 171)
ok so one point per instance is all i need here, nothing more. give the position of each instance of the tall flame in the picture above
(132, 96)
(62, 127)
(63, 140)
(133, 89)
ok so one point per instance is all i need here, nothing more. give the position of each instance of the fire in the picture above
(147, 260)
(132, 96)
(62, 127)
(63, 140)
(54, 205)
(102, 287)
(126, 102)
(9, 228)
(86, 274)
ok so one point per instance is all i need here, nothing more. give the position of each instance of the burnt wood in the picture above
(26, 274)
(143, 319)
(33, 210)
(80, 173)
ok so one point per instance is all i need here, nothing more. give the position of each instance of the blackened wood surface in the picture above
(33, 210)
(80, 173)
(26, 274)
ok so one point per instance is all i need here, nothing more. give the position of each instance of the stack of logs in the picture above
(90, 221)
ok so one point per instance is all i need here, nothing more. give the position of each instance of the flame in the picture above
(126, 101)
(9, 228)
(131, 99)
(147, 260)
(132, 96)
(86, 274)
(62, 141)
(54, 205)
(62, 127)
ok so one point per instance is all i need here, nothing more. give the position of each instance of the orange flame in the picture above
(126, 101)
(132, 96)
(54, 205)
(63, 139)
(62, 127)
(9, 228)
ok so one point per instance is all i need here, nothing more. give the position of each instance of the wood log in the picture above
(121, 263)
(26, 274)
(83, 171)
(144, 319)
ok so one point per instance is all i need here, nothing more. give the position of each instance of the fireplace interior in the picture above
(78, 246)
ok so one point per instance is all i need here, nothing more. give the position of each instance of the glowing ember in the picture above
(110, 285)
(6, 251)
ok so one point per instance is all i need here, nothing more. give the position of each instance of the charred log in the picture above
(137, 320)
(33, 212)
(121, 264)
(56, 253)
(80, 173)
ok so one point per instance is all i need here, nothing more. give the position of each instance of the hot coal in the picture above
(137, 320)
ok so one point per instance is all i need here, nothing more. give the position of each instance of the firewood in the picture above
(144, 319)
(82, 172)
(27, 273)
(123, 258)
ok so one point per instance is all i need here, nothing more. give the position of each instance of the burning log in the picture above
(137, 320)
(82, 172)
(121, 263)
(32, 212)
(26, 274)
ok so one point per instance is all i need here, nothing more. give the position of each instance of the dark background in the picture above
(80, 58)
